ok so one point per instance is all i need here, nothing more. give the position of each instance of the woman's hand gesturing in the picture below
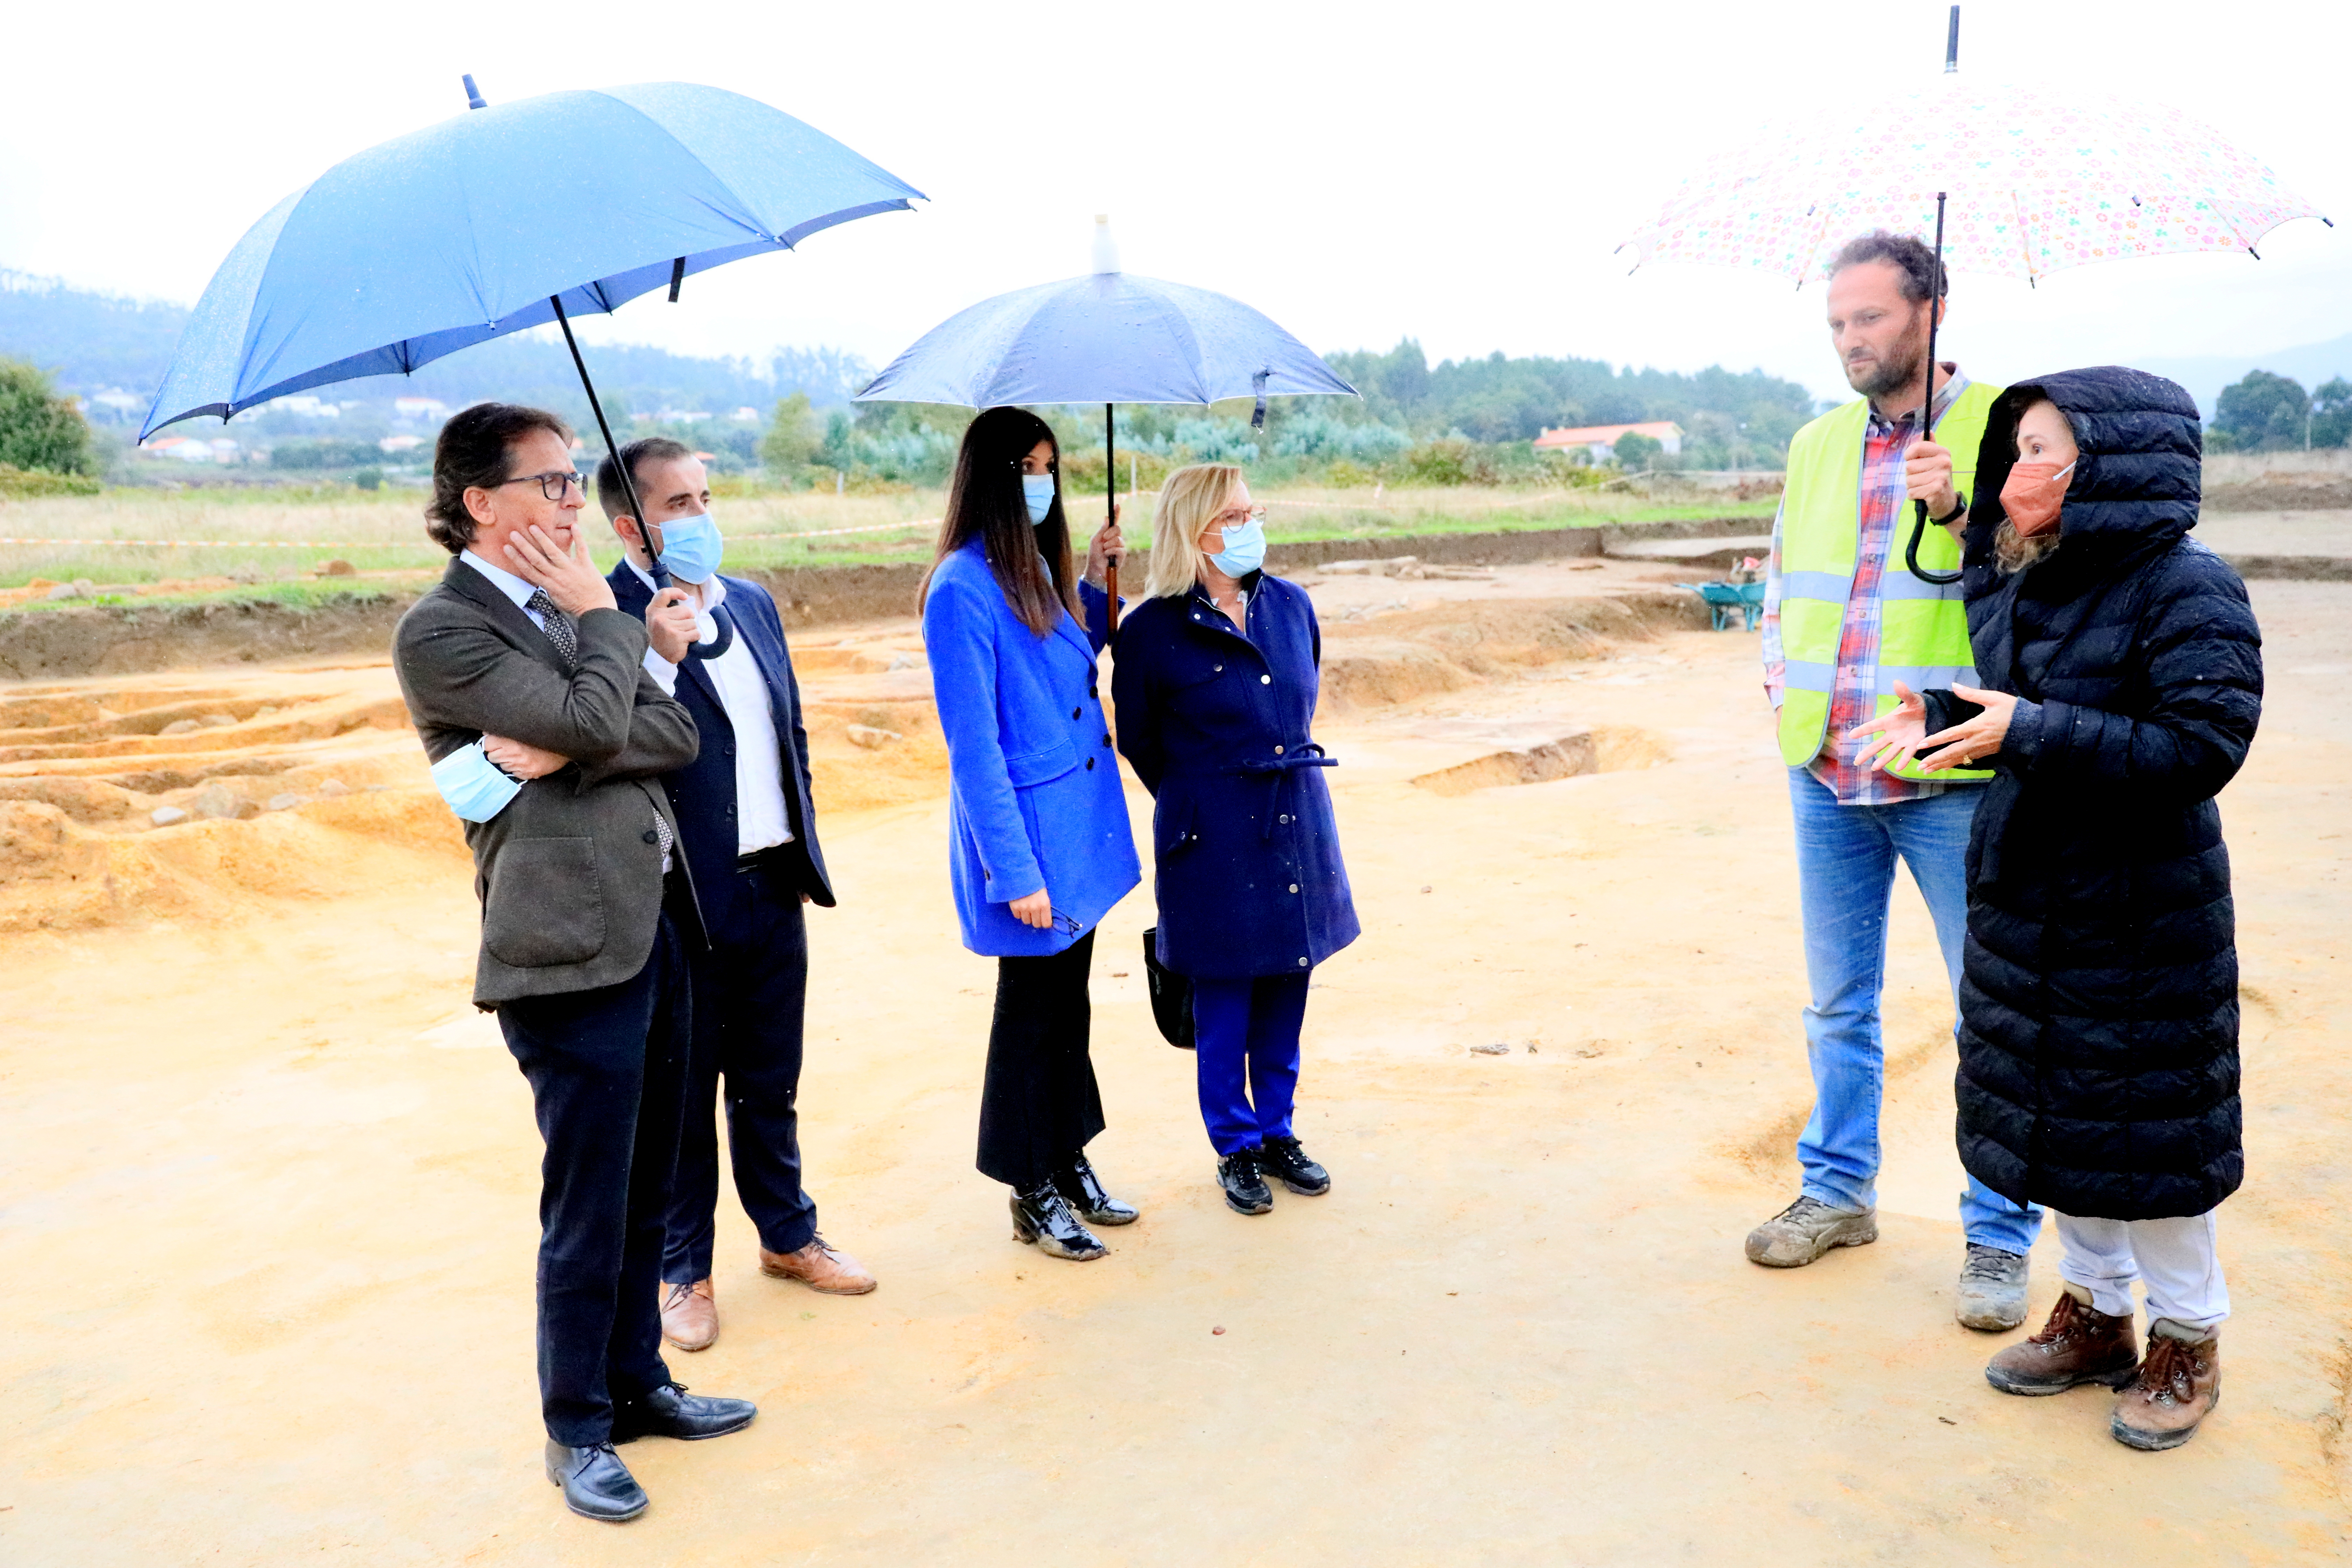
(1976, 738)
(1900, 733)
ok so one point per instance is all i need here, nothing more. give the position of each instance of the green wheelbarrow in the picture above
(1726, 599)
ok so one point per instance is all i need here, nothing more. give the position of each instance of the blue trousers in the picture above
(750, 987)
(1845, 868)
(1245, 1048)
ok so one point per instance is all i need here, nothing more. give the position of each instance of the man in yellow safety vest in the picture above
(1848, 629)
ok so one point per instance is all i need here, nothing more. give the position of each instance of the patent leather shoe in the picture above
(1245, 1188)
(1282, 1158)
(595, 1484)
(670, 1411)
(1088, 1196)
(1043, 1217)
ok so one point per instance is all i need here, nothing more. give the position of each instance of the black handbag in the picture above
(1172, 995)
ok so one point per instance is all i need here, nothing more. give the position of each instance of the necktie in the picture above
(556, 624)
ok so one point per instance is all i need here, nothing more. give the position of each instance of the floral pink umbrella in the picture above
(2009, 181)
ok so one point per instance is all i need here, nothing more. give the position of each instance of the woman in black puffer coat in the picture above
(2099, 1004)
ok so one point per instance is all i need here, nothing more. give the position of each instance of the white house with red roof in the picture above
(1601, 440)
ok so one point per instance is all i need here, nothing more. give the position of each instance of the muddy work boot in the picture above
(1806, 1229)
(2079, 1344)
(2178, 1386)
(1992, 1289)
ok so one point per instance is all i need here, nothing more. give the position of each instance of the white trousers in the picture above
(2174, 1257)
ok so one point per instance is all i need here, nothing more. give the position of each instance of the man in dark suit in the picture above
(749, 828)
(526, 684)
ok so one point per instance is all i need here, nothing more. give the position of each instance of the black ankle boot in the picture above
(1246, 1190)
(1094, 1204)
(1043, 1217)
(1282, 1158)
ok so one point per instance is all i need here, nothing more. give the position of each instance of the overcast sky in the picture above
(1458, 172)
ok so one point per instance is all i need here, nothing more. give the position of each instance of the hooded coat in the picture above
(2098, 1036)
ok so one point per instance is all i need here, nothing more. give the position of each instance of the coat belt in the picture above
(1273, 770)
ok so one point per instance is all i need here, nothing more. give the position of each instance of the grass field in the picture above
(191, 543)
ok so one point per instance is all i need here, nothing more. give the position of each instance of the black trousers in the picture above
(1038, 1103)
(751, 992)
(605, 1067)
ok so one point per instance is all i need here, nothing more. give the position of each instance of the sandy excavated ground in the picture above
(269, 1182)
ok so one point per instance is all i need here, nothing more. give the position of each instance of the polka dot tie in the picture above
(556, 624)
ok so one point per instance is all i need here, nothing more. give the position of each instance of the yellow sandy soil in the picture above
(269, 1185)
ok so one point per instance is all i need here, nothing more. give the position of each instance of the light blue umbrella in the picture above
(502, 219)
(1110, 337)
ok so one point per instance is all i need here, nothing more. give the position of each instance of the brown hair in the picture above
(1904, 253)
(1030, 562)
(473, 453)
(614, 496)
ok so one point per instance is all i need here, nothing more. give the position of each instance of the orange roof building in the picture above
(1602, 440)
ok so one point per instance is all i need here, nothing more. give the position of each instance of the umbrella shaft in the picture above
(628, 481)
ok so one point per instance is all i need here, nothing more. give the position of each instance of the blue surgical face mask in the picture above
(691, 548)
(1245, 550)
(1037, 489)
(472, 785)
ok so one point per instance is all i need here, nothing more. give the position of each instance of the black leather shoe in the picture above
(596, 1483)
(1245, 1189)
(671, 1412)
(1087, 1196)
(1043, 1217)
(1282, 1158)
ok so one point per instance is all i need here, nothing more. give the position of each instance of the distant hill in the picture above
(99, 342)
(2204, 376)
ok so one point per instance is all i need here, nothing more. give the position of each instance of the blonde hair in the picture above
(1189, 499)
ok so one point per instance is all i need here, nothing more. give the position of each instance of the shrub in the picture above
(324, 453)
(792, 440)
(20, 484)
(38, 429)
(1635, 450)
(369, 478)
(1320, 435)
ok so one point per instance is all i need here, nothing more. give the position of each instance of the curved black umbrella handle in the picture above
(1928, 404)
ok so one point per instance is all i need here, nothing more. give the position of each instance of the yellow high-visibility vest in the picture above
(1923, 638)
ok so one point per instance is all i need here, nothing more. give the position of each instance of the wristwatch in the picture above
(1957, 512)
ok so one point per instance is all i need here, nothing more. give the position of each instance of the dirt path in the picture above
(269, 1190)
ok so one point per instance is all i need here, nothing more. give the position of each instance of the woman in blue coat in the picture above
(1039, 847)
(1214, 681)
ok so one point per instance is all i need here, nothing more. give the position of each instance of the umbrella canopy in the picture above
(477, 227)
(1110, 337)
(2034, 180)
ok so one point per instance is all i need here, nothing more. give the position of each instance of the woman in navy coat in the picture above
(1214, 681)
(1039, 847)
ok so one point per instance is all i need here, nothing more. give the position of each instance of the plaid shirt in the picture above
(1854, 694)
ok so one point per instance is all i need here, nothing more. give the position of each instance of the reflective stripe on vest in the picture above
(1923, 628)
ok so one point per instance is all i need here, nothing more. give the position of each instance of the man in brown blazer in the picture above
(528, 687)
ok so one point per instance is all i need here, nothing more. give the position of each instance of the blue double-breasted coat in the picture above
(1217, 725)
(1033, 796)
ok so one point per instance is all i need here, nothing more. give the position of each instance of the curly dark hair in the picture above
(472, 452)
(1905, 253)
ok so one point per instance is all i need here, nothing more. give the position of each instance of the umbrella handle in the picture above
(1110, 512)
(1927, 402)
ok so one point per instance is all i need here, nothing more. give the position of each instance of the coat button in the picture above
(1266, 681)
(1090, 765)
(1220, 669)
(1277, 750)
(1294, 886)
(1106, 737)
(1075, 712)
(1302, 963)
(651, 836)
(1286, 819)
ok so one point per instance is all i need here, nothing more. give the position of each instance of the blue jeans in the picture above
(1845, 869)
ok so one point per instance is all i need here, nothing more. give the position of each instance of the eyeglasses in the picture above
(552, 486)
(1238, 516)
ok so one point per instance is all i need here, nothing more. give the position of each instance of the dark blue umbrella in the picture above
(502, 219)
(1109, 337)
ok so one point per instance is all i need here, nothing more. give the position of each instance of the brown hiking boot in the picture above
(2178, 1386)
(820, 1267)
(689, 1315)
(2079, 1344)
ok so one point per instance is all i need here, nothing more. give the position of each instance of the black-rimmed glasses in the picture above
(552, 486)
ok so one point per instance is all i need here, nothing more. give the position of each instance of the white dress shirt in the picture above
(762, 819)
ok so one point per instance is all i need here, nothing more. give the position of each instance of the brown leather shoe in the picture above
(819, 1268)
(689, 1315)
(2079, 1344)
(2178, 1386)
